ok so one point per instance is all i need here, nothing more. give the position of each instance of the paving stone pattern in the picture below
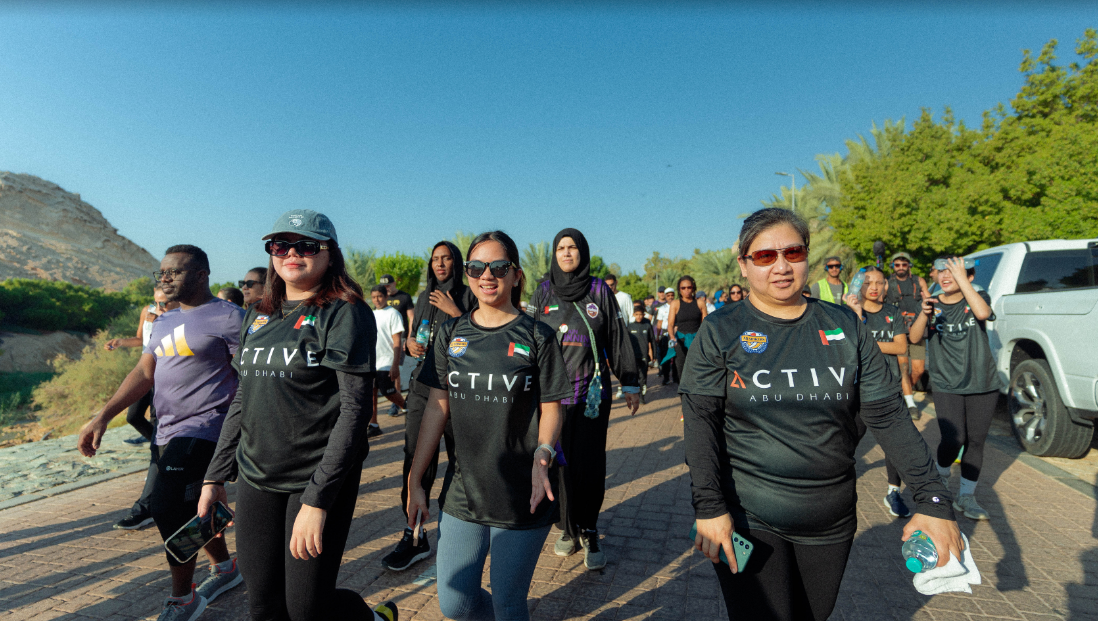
(1038, 555)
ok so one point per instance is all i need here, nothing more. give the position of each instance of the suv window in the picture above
(985, 269)
(1054, 270)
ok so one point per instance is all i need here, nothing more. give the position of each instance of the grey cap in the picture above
(901, 255)
(305, 222)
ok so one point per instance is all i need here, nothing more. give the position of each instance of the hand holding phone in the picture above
(185, 543)
(741, 548)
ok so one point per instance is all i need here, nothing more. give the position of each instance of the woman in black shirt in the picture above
(581, 308)
(771, 391)
(446, 296)
(296, 430)
(962, 372)
(684, 319)
(498, 375)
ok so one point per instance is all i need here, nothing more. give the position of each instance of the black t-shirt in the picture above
(288, 387)
(791, 391)
(599, 308)
(464, 302)
(883, 326)
(958, 353)
(403, 303)
(496, 379)
(640, 333)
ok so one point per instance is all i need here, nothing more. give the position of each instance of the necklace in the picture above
(282, 308)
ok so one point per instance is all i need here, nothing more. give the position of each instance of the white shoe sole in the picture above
(230, 585)
(888, 506)
(142, 524)
(957, 507)
(415, 559)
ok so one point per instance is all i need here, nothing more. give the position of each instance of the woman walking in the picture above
(445, 297)
(583, 313)
(771, 392)
(498, 376)
(886, 326)
(684, 319)
(296, 431)
(962, 371)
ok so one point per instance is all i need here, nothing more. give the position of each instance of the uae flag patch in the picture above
(518, 348)
(305, 320)
(831, 335)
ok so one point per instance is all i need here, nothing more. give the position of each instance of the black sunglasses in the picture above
(499, 269)
(172, 274)
(304, 247)
(248, 284)
(835, 266)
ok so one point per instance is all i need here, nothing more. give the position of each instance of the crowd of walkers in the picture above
(274, 386)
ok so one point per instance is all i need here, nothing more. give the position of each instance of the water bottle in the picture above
(423, 334)
(919, 553)
(856, 283)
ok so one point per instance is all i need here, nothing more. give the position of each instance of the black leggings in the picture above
(784, 581)
(680, 357)
(964, 420)
(891, 473)
(583, 479)
(416, 405)
(280, 587)
(135, 416)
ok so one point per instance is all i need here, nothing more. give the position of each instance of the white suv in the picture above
(1045, 339)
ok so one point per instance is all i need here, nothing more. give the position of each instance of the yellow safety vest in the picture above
(825, 292)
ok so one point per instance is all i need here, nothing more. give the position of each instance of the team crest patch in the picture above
(592, 310)
(259, 322)
(458, 347)
(753, 342)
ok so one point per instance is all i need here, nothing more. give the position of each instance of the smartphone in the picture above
(740, 546)
(195, 534)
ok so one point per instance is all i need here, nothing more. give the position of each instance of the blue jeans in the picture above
(462, 549)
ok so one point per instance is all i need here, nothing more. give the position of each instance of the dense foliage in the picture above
(405, 268)
(1028, 173)
(56, 305)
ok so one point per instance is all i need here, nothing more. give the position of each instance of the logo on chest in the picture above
(592, 310)
(458, 347)
(259, 322)
(753, 342)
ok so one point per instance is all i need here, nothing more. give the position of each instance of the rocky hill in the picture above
(48, 233)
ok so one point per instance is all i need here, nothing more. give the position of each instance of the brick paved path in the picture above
(1038, 555)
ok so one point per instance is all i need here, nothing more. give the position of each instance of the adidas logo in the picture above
(177, 348)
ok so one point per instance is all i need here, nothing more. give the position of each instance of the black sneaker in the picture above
(134, 521)
(372, 430)
(137, 440)
(407, 553)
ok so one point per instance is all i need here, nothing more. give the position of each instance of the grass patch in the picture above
(15, 395)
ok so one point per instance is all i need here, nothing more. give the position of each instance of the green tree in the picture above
(634, 285)
(462, 240)
(715, 270)
(537, 259)
(139, 291)
(360, 265)
(215, 287)
(406, 269)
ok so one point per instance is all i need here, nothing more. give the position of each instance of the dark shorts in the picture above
(384, 384)
(917, 351)
(181, 467)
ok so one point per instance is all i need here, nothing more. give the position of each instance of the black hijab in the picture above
(424, 309)
(571, 286)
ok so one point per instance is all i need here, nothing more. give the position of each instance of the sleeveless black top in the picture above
(689, 318)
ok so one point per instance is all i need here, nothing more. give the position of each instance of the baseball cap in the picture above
(701, 294)
(901, 255)
(305, 222)
(387, 280)
(662, 289)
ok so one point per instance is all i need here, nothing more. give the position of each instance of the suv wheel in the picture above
(1041, 421)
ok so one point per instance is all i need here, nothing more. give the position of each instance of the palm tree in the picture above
(537, 259)
(360, 265)
(716, 269)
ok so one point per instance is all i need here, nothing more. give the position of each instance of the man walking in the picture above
(189, 357)
(831, 288)
(625, 301)
(907, 291)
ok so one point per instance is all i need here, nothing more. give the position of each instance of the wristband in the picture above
(552, 451)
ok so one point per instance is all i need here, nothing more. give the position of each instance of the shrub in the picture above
(56, 305)
(81, 387)
(406, 269)
(15, 395)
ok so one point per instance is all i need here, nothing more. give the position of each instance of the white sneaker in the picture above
(966, 503)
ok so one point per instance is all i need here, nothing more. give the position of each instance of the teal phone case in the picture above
(740, 546)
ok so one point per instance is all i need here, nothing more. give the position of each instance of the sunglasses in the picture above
(304, 247)
(248, 284)
(686, 288)
(735, 293)
(172, 274)
(835, 266)
(793, 254)
(499, 269)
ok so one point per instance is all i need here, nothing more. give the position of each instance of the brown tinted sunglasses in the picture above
(793, 254)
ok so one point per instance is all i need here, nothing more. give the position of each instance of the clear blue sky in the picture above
(648, 128)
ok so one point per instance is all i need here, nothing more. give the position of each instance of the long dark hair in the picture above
(512, 251)
(692, 282)
(336, 284)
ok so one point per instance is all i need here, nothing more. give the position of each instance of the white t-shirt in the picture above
(709, 308)
(662, 313)
(388, 323)
(625, 304)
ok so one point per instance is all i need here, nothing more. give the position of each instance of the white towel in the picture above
(953, 576)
